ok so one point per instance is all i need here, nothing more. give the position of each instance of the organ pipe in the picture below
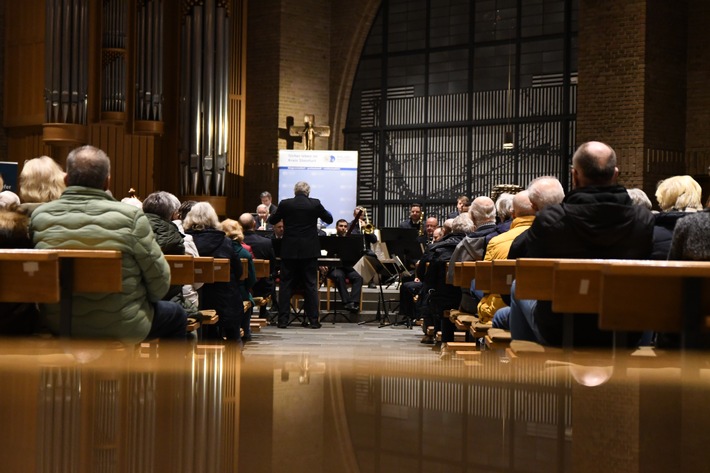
(204, 95)
(150, 47)
(66, 69)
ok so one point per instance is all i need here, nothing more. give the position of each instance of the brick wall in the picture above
(301, 59)
(610, 94)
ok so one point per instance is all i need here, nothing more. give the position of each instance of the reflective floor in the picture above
(332, 401)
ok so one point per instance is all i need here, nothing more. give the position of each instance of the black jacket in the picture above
(663, 233)
(591, 222)
(260, 245)
(441, 295)
(224, 297)
(300, 216)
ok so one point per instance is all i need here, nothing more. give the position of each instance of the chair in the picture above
(331, 284)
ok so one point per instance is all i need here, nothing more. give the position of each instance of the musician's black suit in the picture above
(300, 250)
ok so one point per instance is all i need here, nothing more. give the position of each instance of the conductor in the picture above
(300, 250)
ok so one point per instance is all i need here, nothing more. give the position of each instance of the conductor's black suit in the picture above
(300, 250)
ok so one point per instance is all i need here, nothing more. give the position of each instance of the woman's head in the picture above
(681, 193)
(233, 230)
(201, 216)
(41, 180)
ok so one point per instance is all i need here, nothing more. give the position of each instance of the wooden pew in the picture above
(534, 278)
(204, 269)
(78, 273)
(182, 269)
(51, 276)
(29, 276)
(262, 267)
(502, 276)
(221, 269)
(484, 275)
(664, 296)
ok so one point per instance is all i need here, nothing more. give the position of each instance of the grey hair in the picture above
(544, 191)
(482, 210)
(202, 216)
(302, 187)
(88, 166)
(504, 206)
(639, 197)
(463, 224)
(161, 203)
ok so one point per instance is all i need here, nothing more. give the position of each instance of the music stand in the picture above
(402, 243)
(339, 251)
(379, 269)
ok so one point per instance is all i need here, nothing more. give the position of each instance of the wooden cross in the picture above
(309, 131)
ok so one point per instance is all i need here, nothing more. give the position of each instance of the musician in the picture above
(278, 231)
(415, 217)
(262, 211)
(339, 275)
(462, 205)
(300, 250)
(358, 224)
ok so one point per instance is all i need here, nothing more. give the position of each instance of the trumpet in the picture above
(368, 228)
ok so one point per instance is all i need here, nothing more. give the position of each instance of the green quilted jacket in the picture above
(87, 218)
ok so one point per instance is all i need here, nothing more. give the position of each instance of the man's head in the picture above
(522, 207)
(463, 224)
(265, 198)
(246, 220)
(302, 187)
(415, 213)
(279, 229)
(594, 164)
(341, 227)
(545, 191)
(89, 167)
(482, 211)
(163, 204)
(262, 211)
(430, 225)
(438, 234)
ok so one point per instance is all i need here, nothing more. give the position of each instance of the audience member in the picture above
(438, 294)
(504, 211)
(677, 197)
(261, 247)
(691, 239)
(16, 319)
(234, 232)
(596, 220)
(189, 291)
(86, 217)
(224, 297)
(41, 180)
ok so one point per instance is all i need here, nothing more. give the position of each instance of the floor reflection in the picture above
(97, 408)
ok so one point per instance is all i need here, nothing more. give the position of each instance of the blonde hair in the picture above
(233, 230)
(41, 180)
(679, 193)
(201, 216)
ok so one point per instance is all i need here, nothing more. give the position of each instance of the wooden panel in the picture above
(24, 63)
(29, 276)
(577, 286)
(468, 273)
(534, 278)
(96, 270)
(262, 268)
(204, 269)
(182, 269)
(647, 295)
(222, 269)
(484, 270)
(502, 276)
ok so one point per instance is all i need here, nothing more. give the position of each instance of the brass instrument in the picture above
(368, 228)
